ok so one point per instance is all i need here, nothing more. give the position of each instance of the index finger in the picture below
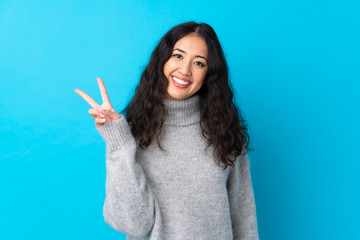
(87, 98)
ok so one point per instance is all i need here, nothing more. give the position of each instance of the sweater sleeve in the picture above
(241, 199)
(129, 203)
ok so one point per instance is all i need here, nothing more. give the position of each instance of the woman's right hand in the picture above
(104, 113)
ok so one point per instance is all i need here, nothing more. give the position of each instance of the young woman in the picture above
(177, 165)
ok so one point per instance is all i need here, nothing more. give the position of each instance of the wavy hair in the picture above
(221, 123)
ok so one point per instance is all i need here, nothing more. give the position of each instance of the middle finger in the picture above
(103, 92)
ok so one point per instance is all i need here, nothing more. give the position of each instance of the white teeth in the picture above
(180, 81)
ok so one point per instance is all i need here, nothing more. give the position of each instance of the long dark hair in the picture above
(221, 122)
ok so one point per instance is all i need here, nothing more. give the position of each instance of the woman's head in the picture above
(203, 42)
(189, 60)
(186, 69)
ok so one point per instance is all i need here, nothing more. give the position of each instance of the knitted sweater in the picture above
(179, 193)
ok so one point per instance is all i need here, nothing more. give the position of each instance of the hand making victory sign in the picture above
(104, 113)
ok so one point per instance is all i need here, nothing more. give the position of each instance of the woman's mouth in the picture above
(180, 83)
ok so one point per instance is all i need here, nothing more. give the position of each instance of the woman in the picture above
(177, 166)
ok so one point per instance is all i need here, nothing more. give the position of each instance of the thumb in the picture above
(111, 114)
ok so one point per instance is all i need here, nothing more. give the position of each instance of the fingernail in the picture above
(101, 115)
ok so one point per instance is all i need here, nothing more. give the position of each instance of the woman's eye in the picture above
(177, 55)
(200, 64)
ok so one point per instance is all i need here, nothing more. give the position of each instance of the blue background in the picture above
(294, 66)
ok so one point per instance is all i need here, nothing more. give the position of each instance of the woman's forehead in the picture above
(192, 44)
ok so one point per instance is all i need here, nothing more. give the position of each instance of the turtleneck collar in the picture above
(184, 111)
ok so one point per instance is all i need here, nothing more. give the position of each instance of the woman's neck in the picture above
(182, 112)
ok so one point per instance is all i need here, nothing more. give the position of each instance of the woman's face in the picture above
(187, 67)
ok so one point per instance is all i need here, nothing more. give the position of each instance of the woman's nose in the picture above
(185, 68)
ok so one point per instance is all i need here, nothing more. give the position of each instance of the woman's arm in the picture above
(242, 202)
(129, 203)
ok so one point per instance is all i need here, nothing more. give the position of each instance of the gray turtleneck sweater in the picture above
(180, 193)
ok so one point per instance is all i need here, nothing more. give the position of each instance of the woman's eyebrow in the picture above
(180, 50)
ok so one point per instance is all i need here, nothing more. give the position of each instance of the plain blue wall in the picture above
(294, 66)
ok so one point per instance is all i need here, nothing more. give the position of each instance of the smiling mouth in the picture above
(181, 82)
